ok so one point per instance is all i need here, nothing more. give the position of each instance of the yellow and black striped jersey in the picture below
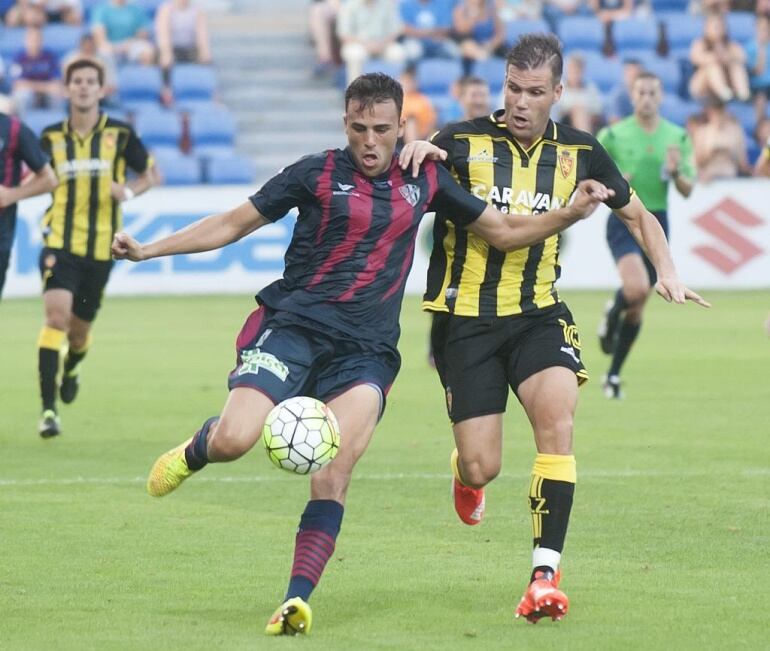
(469, 277)
(83, 216)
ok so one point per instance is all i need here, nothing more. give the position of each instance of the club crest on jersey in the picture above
(565, 163)
(411, 193)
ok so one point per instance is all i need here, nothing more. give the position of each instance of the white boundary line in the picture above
(589, 474)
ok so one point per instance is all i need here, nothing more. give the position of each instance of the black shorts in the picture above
(621, 242)
(282, 358)
(84, 277)
(478, 358)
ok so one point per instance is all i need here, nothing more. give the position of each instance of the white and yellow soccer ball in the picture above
(301, 435)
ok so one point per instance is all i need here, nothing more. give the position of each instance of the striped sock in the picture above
(314, 545)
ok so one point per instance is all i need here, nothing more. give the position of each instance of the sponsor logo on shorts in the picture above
(571, 352)
(571, 334)
(253, 360)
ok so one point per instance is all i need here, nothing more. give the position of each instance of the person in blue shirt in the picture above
(121, 30)
(427, 24)
(35, 74)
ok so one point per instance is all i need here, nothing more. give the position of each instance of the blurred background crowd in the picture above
(711, 55)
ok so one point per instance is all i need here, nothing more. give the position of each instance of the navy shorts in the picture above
(478, 358)
(283, 356)
(622, 243)
(83, 277)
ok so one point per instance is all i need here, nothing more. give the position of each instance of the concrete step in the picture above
(314, 121)
(300, 142)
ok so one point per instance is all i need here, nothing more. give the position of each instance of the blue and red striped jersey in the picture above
(353, 244)
(17, 145)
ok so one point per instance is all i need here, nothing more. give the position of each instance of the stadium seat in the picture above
(139, 84)
(677, 110)
(681, 30)
(753, 150)
(667, 6)
(178, 169)
(517, 27)
(212, 128)
(492, 71)
(669, 72)
(385, 67)
(37, 120)
(61, 39)
(605, 73)
(740, 26)
(191, 81)
(745, 114)
(581, 33)
(158, 127)
(436, 76)
(11, 42)
(205, 152)
(635, 34)
(232, 169)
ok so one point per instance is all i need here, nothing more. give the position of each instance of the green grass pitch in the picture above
(667, 547)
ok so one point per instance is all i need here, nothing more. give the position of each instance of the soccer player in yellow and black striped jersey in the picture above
(90, 153)
(498, 319)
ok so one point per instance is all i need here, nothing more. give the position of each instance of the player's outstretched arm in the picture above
(508, 232)
(417, 151)
(42, 181)
(648, 233)
(212, 232)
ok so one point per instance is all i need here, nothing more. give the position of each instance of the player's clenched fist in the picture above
(125, 247)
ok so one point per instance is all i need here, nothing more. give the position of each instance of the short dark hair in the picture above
(534, 50)
(373, 88)
(79, 64)
(471, 80)
(646, 74)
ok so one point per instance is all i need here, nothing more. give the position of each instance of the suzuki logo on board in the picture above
(724, 222)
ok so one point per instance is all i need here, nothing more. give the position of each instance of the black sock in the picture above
(48, 366)
(626, 337)
(617, 309)
(551, 504)
(196, 454)
(73, 359)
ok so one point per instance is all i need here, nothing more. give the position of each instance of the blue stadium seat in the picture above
(581, 33)
(232, 169)
(158, 126)
(740, 26)
(661, 6)
(139, 84)
(11, 42)
(492, 71)
(38, 120)
(669, 72)
(436, 76)
(190, 81)
(681, 30)
(385, 67)
(447, 109)
(519, 26)
(642, 55)
(744, 113)
(605, 73)
(635, 34)
(753, 150)
(61, 39)
(205, 152)
(178, 169)
(677, 110)
(212, 128)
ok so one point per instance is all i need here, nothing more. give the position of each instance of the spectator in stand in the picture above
(619, 103)
(709, 6)
(323, 17)
(417, 112)
(121, 29)
(69, 12)
(580, 105)
(26, 13)
(762, 164)
(479, 30)
(718, 143)
(88, 50)
(509, 10)
(555, 10)
(472, 99)
(758, 63)
(763, 8)
(608, 11)
(35, 74)
(5, 7)
(720, 64)
(182, 33)
(427, 24)
(369, 29)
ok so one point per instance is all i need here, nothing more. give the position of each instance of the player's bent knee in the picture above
(478, 473)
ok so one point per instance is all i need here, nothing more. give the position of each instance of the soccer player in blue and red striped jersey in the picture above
(329, 328)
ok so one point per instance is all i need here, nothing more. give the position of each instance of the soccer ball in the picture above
(301, 435)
